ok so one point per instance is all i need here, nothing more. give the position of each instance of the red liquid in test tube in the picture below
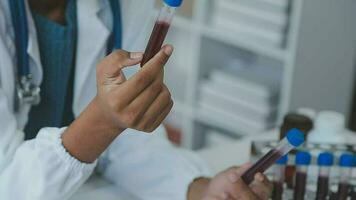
(343, 191)
(302, 161)
(160, 29)
(279, 178)
(155, 43)
(346, 163)
(300, 183)
(323, 188)
(325, 161)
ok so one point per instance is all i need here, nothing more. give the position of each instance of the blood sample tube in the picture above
(346, 163)
(353, 193)
(325, 161)
(302, 162)
(293, 139)
(160, 29)
(278, 178)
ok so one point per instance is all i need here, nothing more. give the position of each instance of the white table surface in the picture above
(97, 188)
(218, 159)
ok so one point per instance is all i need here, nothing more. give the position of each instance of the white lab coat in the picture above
(41, 169)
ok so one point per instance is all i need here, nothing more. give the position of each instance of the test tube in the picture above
(293, 139)
(346, 163)
(278, 178)
(160, 29)
(302, 162)
(353, 193)
(325, 161)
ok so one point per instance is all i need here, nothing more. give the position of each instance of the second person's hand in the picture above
(228, 185)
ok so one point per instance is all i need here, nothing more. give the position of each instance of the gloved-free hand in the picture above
(228, 185)
(141, 102)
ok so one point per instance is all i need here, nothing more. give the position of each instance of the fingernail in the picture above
(259, 177)
(136, 55)
(168, 50)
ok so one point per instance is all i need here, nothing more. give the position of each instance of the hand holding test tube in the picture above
(293, 139)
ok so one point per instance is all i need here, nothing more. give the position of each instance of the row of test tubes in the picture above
(325, 161)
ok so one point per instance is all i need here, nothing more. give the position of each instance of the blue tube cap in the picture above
(303, 158)
(283, 160)
(347, 160)
(325, 159)
(295, 137)
(173, 3)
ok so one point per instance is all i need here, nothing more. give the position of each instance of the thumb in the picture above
(112, 65)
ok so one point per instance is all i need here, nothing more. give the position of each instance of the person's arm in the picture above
(229, 185)
(42, 168)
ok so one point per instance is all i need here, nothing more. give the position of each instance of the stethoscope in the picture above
(28, 93)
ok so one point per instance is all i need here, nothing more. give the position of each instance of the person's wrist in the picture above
(198, 188)
(91, 133)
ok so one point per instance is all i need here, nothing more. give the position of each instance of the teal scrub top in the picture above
(57, 45)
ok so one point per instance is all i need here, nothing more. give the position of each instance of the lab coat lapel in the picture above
(91, 46)
(33, 49)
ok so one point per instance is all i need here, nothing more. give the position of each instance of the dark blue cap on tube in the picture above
(303, 158)
(173, 3)
(325, 159)
(283, 160)
(347, 160)
(295, 137)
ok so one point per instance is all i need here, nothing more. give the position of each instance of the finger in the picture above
(262, 186)
(234, 173)
(119, 59)
(161, 117)
(158, 105)
(158, 110)
(261, 178)
(160, 58)
(148, 74)
(242, 191)
(142, 102)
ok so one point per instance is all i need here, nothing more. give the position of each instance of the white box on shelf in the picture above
(275, 6)
(247, 32)
(250, 20)
(236, 123)
(231, 103)
(256, 84)
(276, 18)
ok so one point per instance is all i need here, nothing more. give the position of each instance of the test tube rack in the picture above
(259, 148)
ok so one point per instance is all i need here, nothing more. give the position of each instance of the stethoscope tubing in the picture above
(19, 21)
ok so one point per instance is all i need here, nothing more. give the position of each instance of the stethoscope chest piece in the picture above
(26, 93)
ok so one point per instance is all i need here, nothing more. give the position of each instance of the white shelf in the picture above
(234, 39)
(229, 38)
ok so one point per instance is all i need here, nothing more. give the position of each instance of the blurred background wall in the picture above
(240, 65)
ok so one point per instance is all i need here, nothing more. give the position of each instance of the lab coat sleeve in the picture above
(42, 169)
(151, 168)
